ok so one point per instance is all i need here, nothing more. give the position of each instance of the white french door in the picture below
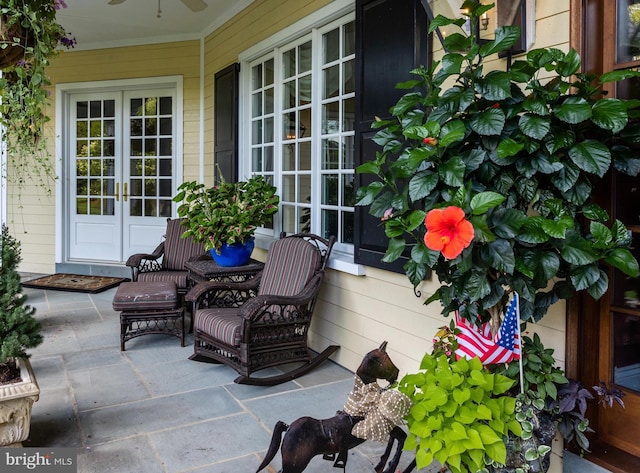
(122, 165)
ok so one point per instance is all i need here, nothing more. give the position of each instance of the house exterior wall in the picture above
(355, 312)
(32, 218)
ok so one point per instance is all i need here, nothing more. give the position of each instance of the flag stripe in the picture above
(477, 341)
(507, 340)
(472, 341)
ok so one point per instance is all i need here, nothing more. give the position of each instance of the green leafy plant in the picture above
(520, 151)
(30, 33)
(460, 414)
(19, 329)
(226, 213)
(550, 395)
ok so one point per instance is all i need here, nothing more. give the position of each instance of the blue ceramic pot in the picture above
(234, 255)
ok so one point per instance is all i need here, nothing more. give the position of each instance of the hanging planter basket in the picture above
(12, 53)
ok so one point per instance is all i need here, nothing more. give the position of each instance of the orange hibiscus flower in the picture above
(448, 231)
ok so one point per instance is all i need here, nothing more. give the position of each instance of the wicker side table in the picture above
(209, 270)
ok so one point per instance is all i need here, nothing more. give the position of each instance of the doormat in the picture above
(74, 283)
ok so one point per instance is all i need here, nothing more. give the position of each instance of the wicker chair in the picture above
(166, 262)
(264, 322)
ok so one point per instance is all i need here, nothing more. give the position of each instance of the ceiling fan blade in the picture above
(116, 2)
(194, 5)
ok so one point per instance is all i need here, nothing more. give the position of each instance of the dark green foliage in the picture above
(227, 213)
(19, 330)
(521, 152)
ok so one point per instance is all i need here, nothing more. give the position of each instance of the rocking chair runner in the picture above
(264, 321)
(166, 262)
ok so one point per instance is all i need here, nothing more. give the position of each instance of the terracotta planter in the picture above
(16, 401)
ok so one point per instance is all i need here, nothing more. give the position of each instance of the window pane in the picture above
(305, 57)
(135, 207)
(348, 78)
(348, 190)
(305, 189)
(288, 158)
(289, 95)
(256, 104)
(348, 114)
(256, 77)
(331, 82)
(289, 63)
(166, 105)
(626, 355)
(329, 222)
(304, 90)
(268, 130)
(330, 117)
(331, 46)
(329, 189)
(347, 228)
(289, 188)
(268, 72)
(348, 152)
(304, 156)
(256, 160)
(268, 100)
(628, 26)
(330, 154)
(268, 158)
(349, 39)
(288, 213)
(289, 126)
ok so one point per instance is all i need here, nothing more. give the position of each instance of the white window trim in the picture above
(341, 258)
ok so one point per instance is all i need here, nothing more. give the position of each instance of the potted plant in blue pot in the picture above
(226, 215)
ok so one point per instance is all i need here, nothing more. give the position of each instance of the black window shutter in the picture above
(391, 39)
(225, 149)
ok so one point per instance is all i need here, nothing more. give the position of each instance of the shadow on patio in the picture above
(149, 409)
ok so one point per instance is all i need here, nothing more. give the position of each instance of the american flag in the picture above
(505, 347)
(472, 340)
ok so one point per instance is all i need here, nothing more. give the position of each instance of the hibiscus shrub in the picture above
(520, 156)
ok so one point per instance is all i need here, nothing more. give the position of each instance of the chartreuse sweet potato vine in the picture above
(520, 152)
(459, 416)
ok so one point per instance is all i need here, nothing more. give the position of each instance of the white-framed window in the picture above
(299, 129)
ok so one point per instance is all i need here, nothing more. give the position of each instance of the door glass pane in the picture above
(94, 119)
(628, 24)
(626, 351)
(151, 116)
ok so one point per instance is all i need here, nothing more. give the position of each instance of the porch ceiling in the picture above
(96, 24)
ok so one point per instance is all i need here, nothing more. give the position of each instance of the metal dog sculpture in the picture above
(307, 437)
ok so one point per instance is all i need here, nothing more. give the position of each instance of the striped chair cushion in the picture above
(222, 324)
(290, 265)
(178, 277)
(178, 250)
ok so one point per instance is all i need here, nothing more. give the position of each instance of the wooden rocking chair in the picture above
(264, 322)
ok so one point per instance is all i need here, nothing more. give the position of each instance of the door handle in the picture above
(117, 194)
(126, 194)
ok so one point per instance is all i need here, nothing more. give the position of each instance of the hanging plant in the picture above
(29, 37)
